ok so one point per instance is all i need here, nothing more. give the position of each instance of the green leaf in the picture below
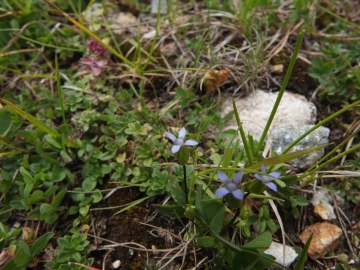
(183, 155)
(227, 158)
(214, 212)
(206, 241)
(34, 214)
(105, 169)
(260, 243)
(50, 191)
(46, 208)
(58, 198)
(28, 179)
(65, 156)
(175, 191)
(280, 183)
(23, 254)
(171, 209)
(5, 123)
(36, 196)
(289, 179)
(148, 162)
(84, 210)
(51, 218)
(244, 261)
(10, 265)
(96, 196)
(16, 204)
(295, 212)
(328, 68)
(58, 174)
(271, 224)
(40, 243)
(52, 141)
(293, 202)
(198, 200)
(301, 200)
(89, 184)
(27, 190)
(216, 158)
(252, 219)
(73, 210)
(317, 62)
(181, 93)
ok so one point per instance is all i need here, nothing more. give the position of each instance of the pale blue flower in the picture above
(230, 186)
(178, 142)
(267, 179)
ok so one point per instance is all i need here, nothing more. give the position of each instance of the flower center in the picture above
(267, 179)
(179, 141)
(231, 186)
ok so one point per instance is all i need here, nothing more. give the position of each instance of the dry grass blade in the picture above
(278, 217)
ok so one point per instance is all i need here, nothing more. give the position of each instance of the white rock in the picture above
(277, 250)
(254, 110)
(282, 137)
(116, 264)
(322, 205)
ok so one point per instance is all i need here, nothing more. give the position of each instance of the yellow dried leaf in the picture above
(214, 79)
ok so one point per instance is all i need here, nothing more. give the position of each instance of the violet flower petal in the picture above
(272, 186)
(237, 178)
(221, 192)
(223, 177)
(263, 168)
(182, 133)
(175, 148)
(238, 194)
(191, 143)
(275, 174)
(171, 136)
(258, 177)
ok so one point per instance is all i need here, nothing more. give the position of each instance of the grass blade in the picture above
(282, 89)
(303, 256)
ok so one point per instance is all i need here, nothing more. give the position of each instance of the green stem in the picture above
(185, 185)
(232, 221)
(282, 89)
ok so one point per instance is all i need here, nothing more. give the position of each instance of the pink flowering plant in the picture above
(97, 59)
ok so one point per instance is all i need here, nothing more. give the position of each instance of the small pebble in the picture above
(116, 264)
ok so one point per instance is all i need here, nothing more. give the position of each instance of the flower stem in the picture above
(185, 185)
(233, 219)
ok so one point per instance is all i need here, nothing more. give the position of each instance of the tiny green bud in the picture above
(183, 155)
(190, 211)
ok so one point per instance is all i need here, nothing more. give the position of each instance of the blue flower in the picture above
(267, 179)
(178, 142)
(230, 186)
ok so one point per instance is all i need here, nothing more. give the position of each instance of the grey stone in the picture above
(284, 136)
(254, 110)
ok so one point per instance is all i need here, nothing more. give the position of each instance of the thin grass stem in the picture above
(282, 89)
